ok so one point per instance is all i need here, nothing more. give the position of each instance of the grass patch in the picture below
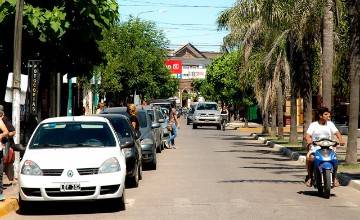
(349, 167)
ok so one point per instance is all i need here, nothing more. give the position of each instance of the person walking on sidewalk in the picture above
(9, 149)
(322, 128)
(3, 135)
(174, 123)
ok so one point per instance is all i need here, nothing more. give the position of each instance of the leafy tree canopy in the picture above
(63, 34)
(135, 55)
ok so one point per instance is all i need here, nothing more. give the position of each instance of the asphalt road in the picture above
(216, 175)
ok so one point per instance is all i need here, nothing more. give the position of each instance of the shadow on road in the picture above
(266, 158)
(71, 208)
(313, 193)
(272, 168)
(262, 181)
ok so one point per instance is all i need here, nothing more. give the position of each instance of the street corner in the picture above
(8, 206)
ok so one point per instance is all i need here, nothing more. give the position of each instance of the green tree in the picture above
(63, 34)
(135, 53)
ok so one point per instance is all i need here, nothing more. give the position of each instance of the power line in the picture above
(173, 5)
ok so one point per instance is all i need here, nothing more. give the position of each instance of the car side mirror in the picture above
(127, 144)
(155, 125)
(161, 120)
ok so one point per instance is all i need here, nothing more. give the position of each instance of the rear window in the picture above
(206, 106)
(73, 135)
(142, 119)
(121, 126)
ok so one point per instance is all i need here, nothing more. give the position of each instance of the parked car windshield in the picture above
(206, 106)
(121, 126)
(73, 135)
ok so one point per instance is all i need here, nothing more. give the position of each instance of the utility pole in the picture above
(16, 78)
(17, 68)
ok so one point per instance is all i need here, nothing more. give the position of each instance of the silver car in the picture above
(206, 114)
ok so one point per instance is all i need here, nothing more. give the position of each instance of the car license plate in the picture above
(206, 120)
(70, 187)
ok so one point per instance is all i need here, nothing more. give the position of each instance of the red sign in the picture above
(175, 66)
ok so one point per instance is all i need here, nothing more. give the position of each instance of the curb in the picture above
(8, 206)
(344, 180)
(283, 150)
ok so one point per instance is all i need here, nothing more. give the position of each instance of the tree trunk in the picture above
(280, 111)
(307, 93)
(273, 119)
(328, 54)
(293, 122)
(351, 151)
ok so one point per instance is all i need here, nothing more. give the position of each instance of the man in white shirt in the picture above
(322, 128)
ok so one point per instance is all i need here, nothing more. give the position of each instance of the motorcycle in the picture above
(324, 166)
(223, 121)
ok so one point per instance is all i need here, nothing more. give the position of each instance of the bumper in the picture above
(207, 121)
(92, 187)
(131, 166)
(147, 153)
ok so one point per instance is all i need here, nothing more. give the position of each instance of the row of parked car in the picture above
(91, 157)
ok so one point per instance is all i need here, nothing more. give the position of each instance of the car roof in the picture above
(119, 109)
(113, 116)
(75, 118)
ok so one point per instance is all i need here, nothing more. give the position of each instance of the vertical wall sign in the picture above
(34, 76)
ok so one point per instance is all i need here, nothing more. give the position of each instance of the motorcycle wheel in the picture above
(318, 182)
(327, 183)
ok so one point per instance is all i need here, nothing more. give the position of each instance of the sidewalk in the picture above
(11, 193)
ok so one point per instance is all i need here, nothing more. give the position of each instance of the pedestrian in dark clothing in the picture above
(131, 110)
(3, 135)
(9, 143)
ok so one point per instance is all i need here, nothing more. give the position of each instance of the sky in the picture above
(183, 21)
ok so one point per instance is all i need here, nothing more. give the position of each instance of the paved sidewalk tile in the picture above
(11, 202)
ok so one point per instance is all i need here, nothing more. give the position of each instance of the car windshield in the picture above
(121, 126)
(73, 135)
(207, 106)
(140, 115)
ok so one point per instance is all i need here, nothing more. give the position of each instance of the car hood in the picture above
(71, 157)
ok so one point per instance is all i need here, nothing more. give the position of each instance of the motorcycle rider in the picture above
(322, 128)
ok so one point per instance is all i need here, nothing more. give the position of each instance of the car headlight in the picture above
(31, 168)
(110, 166)
(147, 141)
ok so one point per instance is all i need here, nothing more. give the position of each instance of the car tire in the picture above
(218, 127)
(133, 181)
(158, 149)
(24, 206)
(140, 171)
(194, 126)
(153, 163)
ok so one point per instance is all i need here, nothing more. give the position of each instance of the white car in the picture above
(73, 159)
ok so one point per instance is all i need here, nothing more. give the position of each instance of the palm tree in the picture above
(354, 27)
(327, 54)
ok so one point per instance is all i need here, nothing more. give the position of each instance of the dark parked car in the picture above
(157, 117)
(148, 144)
(130, 143)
